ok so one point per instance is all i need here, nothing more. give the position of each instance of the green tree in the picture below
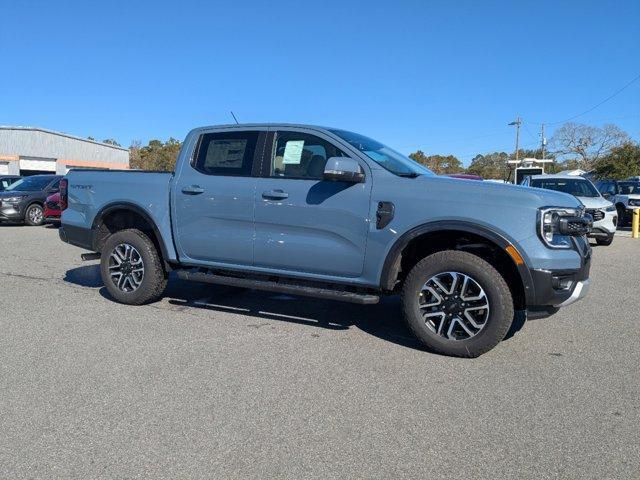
(621, 162)
(440, 164)
(157, 155)
(491, 165)
(111, 141)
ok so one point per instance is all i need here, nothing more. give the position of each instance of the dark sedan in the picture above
(7, 180)
(23, 201)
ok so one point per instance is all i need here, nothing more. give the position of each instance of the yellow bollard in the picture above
(635, 223)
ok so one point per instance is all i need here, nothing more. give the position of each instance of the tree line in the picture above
(606, 150)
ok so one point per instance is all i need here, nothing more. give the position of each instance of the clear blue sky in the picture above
(444, 77)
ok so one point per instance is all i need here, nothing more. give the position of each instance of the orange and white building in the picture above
(30, 151)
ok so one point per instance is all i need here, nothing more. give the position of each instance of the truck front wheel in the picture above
(457, 304)
(131, 268)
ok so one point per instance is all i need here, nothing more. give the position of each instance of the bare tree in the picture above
(586, 144)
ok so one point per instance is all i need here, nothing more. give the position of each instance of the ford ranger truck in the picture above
(332, 214)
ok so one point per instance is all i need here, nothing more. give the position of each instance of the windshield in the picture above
(5, 182)
(631, 188)
(384, 156)
(578, 187)
(30, 184)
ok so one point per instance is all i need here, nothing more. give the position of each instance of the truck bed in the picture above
(92, 193)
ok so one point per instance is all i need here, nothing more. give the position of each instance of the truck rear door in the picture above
(213, 198)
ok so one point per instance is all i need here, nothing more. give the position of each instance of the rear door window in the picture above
(226, 153)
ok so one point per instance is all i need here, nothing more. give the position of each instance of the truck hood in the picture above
(595, 202)
(502, 193)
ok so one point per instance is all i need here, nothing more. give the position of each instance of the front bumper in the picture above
(51, 214)
(11, 212)
(605, 227)
(558, 288)
(579, 292)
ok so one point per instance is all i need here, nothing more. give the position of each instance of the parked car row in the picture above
(332, 214)
(33, 200)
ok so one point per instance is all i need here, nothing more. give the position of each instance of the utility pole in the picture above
(543, 141)
(517, 123)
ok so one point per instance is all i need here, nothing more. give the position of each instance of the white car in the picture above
(624, 194)
(604, 213)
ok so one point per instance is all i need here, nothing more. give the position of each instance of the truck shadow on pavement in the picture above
(383, 320)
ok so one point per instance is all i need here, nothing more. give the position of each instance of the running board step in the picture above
(303, 290)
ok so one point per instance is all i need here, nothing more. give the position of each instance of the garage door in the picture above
(4, 168)
(37, 164)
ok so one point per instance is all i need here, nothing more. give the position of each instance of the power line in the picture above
(453, 140)
(635, 79)
(528, 131)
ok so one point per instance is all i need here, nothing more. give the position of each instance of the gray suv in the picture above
(23, 201)
(7, 180)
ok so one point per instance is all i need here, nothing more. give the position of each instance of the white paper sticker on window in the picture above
(293, 152)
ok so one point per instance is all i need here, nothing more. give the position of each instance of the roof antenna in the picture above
(234, 117)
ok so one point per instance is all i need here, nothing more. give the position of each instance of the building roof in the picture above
(60, 134)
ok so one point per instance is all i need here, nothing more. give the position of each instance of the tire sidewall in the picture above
(494, 286)
(604, 242)
(149, 259)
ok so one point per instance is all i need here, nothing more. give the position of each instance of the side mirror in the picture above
(343, 169)
(606, 195)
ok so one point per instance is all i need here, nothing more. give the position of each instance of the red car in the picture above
(52, 210)
(465, 176)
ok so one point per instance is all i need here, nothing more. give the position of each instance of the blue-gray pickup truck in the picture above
(332, 214)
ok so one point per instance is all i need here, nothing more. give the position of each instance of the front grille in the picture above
(596, 214)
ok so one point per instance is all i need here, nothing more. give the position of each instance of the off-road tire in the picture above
(154, 281)
(501, 311)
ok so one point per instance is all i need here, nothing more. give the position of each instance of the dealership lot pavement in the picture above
(214, 382)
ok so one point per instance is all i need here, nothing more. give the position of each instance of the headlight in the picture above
(610, 208)
(12, 199)
(552, 225)
(634, 203)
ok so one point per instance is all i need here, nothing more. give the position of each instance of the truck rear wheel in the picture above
(457, 304)
(131, 268)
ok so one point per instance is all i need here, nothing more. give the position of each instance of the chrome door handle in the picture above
(193, 190)
(275, 195)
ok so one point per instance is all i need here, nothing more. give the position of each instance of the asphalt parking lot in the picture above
(214, 382)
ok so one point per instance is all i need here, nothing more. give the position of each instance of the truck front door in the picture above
(214, 199)
(304, 223)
